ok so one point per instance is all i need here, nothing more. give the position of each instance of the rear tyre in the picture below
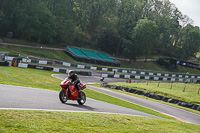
(63, 98)
(82, 99)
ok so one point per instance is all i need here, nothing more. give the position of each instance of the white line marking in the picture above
(26, 109)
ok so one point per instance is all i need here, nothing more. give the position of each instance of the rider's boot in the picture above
(79, 92)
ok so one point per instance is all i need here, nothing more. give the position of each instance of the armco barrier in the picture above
(4, 63)
(135, 74)
(154, 96)
(158, 78)
(23, 65)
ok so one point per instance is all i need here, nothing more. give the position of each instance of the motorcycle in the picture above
(69, 92)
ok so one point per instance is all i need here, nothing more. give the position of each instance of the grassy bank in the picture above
(42, 53)
(29, 78)
(61, 55)
(36, 121)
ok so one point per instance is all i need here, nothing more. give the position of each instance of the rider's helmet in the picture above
(71, 72)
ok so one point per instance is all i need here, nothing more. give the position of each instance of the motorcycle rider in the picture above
(75, 80)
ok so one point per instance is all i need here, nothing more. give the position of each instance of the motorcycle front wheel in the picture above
(63, 98)
(82, 99)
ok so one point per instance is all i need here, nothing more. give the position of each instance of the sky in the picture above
(191, 8)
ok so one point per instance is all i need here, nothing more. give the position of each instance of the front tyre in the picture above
(82, 99)
(63, 98)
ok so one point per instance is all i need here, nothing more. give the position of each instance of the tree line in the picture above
(127, 28)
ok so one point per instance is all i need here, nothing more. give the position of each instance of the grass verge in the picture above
(29, 78)
(37, 121)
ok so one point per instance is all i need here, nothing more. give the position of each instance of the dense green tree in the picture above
(145, 36)
(108, 41)
(130, 50)
(129, 28)
(63, 11)
(190, 42)
(34, 21)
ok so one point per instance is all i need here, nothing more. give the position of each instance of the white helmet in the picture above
(71, 72)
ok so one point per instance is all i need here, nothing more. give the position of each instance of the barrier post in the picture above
(158, 84)
(184, 88)
(171, 85)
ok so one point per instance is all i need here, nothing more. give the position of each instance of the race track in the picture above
(162, 108)
(26, 98)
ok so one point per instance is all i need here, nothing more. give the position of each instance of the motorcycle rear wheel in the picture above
(63, 98)
(82, 100)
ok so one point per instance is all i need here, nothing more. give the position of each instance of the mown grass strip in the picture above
(38, 121)
(29, 78)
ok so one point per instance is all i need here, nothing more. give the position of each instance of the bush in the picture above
(164, 62)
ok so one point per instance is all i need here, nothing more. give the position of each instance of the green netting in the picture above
(106, 57)
(77, 52)
(92, 55)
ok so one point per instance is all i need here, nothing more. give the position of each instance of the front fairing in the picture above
(65, 83)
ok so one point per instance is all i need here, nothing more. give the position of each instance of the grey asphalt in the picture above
(162, 108)
(17, 97)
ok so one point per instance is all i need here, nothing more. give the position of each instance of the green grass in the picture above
(43, 53)
(37, 121)
(29, 78)
(23, 42)
(190, 95)
(141, 65)
(154, 66)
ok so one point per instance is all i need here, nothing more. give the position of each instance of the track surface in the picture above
(16, 97)
(162, 108)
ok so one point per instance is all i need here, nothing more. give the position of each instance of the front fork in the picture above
(65, 90)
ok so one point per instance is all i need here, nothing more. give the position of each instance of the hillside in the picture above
(62, 56)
